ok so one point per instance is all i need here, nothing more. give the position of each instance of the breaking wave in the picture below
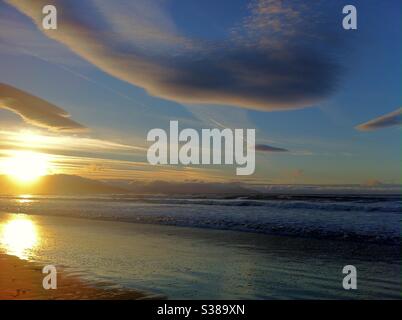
(349, 218)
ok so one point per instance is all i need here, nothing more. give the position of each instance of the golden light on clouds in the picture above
(92, 158)
(25, 166)
(31, 139)
(37, 140)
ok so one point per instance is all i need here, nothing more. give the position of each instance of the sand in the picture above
(22, 280)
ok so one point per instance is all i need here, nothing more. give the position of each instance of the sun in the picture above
(26, 166)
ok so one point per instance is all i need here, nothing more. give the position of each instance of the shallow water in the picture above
(193, 263)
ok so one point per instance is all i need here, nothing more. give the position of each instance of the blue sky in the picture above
(336, 80)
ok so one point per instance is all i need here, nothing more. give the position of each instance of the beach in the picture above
(194, 263)
(22, 280)
(210, 150)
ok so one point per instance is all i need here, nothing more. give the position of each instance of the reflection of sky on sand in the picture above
(19, 236)
(203, 264)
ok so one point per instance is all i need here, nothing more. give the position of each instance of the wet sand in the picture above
(187, 263)
(22, 280)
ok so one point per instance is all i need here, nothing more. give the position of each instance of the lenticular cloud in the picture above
(36, 111)
(271, 61)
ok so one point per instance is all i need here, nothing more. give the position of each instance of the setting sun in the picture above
(26, 166)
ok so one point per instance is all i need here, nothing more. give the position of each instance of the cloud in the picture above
(389, 120)
(36, 111)
(66, 143)
(267, 148)
(289, 67)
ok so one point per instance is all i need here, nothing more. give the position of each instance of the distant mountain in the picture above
(62, 184)
(186, 187)
(59, 184)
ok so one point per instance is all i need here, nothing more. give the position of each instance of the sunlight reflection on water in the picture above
(19, 235)
(24, 198)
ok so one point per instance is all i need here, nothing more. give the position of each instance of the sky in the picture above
(325, 102)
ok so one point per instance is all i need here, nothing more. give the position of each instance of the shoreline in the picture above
(22, 280)
(194, 263)
(358, 221)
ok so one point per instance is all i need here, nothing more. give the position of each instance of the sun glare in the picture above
(26, 166)
(19, 236)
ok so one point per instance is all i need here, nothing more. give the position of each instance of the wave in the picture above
(357, 219)
(389, 204)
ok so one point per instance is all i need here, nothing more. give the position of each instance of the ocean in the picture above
(364, 218)
(220, 247)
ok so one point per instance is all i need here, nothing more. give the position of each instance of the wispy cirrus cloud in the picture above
(267, 148)
(389, 120)
(139, 43)
(95, 158)
(36, 111)
(67, 143)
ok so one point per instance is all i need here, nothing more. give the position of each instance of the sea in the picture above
(264, 246)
